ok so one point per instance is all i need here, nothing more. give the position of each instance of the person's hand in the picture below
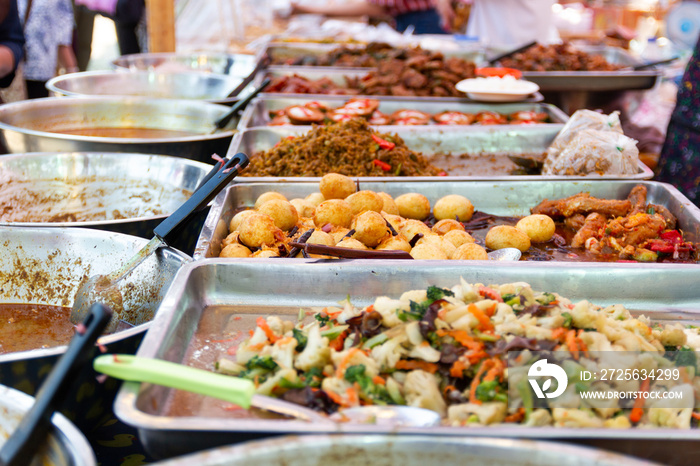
(446, 13)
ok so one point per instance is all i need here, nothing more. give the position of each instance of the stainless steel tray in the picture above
(250, 289)
(337, 75)
(257, 113)
(621, 80)
(451, 141)
(513, 198)
(278, 51)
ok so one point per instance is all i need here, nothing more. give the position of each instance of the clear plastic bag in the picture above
(580, 120)
(595, 151)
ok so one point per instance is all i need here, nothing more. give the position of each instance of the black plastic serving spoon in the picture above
(500, 57)
(239, 106)
(31, 431)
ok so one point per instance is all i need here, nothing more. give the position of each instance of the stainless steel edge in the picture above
(518, 139)
(507, 198)
(215, 62)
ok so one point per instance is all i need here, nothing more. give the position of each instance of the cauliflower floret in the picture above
(388, 353)
(421, 390)
(336, 385)
(244, 352)
(316, 353)
(283, 352)
(466, 322)
(583, 315)
(266, 387)
(425, 352)
(466, 292)
(551, 322)
(275, 324)
(692, 338)
(619, 422)
(456, 313)
(596, 341)
(538, 418)
(565, 417)
(670, 417)
(413, 333)
(503, 313)
(673, 335)
(357, 358)
(417, 296)
(617, 312)
(388, 308)
(488, 413)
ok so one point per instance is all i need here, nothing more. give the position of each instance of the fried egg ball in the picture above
(394, 243)
(539, 227)
(268, 196)
(470, 252)
(506, 236)
(370, 228)
(362, 201)
(447, 224)
(321, 237)
(413, 205)
(351, 243)
(336, 186)
(446, 247)
(235, 250)
(315, 199)
(453, 206)
(458, 237)
(396, 221)
(390, 206)
(282, 212)
(230, 239)
(411, 228)
(266, 253)
(338, 233)
(428, 251)
(257, 230)
(238, 218)
(304, 208)
(334, 211)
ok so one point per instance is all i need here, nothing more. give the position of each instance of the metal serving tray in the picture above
(258, 112)
(242, 291)
(337, 75)
(451, 141)
(278, 51)
(512, 198)
(620, 80)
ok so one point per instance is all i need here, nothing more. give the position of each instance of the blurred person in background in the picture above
(510, 23)
(48, 29)
(679, 161)
(426, 16)
(11, 41)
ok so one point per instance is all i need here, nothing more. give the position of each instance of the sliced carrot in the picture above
(485, 324)
(232, 350)
(491, 310)
(571, 343)
(353, 396)
(458, 368)
(335, 397)
(466, 340)
(442, 313)
(485, 366)
(490, 293)
(477, 356)
(405, 364)
(338, 342)
(517, 416)
(495, 371)
(558, 333)
(262, 323)
(695, 415)
(378, 380)
(637, 411)
(222, 341)
(448, 389)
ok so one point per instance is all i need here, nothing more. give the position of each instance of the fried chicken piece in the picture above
(636, 229)
(582, 203)
(590, 229)
(413, 79)
(638, 198)
(671, 220)
(575, 222)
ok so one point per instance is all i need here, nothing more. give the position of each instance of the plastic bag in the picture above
(580, 120)
(596, 151)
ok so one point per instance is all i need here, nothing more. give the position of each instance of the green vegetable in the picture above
(416, 312)
(284, 383)
(323, 320)
(301, 315)
(435, 293)
(313, 377)
(546, 298)
(523, 388)
(651, 211)
(334, 332)
(357, 374)
(392, 388)
(301, 339)
(488, 391)
(227, 366)
(686, 357)
(375, 340)
(473, 419)
(582, 387)
(567, 319)
(262, 362)
(485, 336)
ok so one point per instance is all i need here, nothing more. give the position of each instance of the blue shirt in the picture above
(11, 36)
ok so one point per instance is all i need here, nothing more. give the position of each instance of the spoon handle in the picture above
(20, 447)
(169, 374)
(240, 105)
(522, 48)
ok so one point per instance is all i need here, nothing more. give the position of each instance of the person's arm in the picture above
(351, 8)
(11, 45)
(446, 13)
(66, 59)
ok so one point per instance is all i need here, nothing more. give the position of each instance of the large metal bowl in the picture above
(146, 187)
(232, 64)
(359, 450)
(191, 85)
(31, 125)
(45, 266)
(65, 444)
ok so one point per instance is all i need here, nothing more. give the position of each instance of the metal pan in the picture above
(338, 75)
(359, 450)
(511, 199)
(65, 444)
(491, 145)
(257, 113)
(45, 266)
(31, 125)
(233, 64)
(280, 287)
(127, 193)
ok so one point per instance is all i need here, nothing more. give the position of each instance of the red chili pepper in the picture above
(442, 174)
(383, 165)
(672, 236)
(382, 143)
(659, 245)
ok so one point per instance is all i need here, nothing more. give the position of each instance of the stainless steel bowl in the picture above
(191, 85)
(65, 444)
(143, 188)
(31, 125)
(359, 450)
(221, 63)
(45, 266)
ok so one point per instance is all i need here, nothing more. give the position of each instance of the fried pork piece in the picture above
(582, 203)
(575, 222)
(638, 199)
(359, 107)
(454, 118)
(671, 220)
(490, 118)
(379, 118)
(591, 228)
(633, 230)
(300, 115)
(528, 115)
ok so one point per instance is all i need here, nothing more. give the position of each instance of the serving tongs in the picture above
(30, 433)
(104, 289)
(504, 254)
(500, 57)
(239, 106)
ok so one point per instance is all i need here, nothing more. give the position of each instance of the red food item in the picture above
(500, 72)
(359, 107)
(490, 118)
(379, 118)
(410, 122)
(529, 116)
(383, 165)
(407, 114)
(386, 145)
(300, 115)
(337, 116)
(280, 120)
(454, 118)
